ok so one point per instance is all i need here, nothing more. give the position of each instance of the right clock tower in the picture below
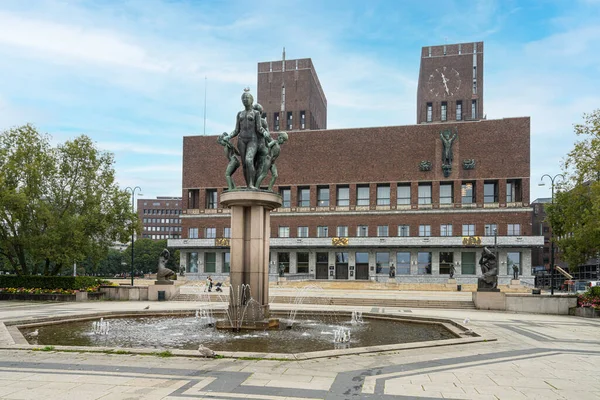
(450, 85)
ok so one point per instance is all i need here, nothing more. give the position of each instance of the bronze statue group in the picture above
(256, 149)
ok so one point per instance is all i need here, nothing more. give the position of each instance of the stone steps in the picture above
(351, 301)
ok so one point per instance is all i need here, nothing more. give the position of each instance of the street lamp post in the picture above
(132, 190)
(552, 179)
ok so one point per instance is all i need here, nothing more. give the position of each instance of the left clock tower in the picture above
(450, 85)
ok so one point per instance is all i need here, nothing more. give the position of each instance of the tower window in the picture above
(289, 120)
(444, 110)
(473, 109)
(276, 121)
(429, 112)
(302, 119)
(459, 110)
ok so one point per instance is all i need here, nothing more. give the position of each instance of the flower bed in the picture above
(591, 298)
(48, 294)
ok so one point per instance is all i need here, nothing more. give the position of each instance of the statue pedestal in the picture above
(249, 249)
(168, 287)
(492, 299)
(452, 281)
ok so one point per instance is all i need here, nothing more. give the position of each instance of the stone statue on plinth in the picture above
(164, 273)
(452, 271)
(281, 270)
(489, 269)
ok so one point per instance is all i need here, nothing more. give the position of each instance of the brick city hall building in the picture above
(421, 198)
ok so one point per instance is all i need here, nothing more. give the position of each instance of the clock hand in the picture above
(445, 80)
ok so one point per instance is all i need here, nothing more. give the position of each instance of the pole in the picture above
(74, 269)
(496, 247)
(204, 106)
(132, 190)
(552, 179)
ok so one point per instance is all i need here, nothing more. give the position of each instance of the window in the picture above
(322, 231)
(513, 190)
(403, 194)
(226, 262)
(362, 195)
(342, 231)
(210, 233)
(289, 120)
(429, 112)
(343, 196)
(459, 110)
(383, 195)
(513, 259)
(403, 230)
(210, 262)
(424, 193)
(467, 192)
(211, 198)
(490, 192)
(403, 263)
(303, 231)
(302, 119)
(513, 229)
(446, 193)
(284, 231)
(382, 263)
(468, 263)
(444, 110)
(424, 263)
(383, 231)
(361, 258)
(446, 262)
(362, 231)
(284, 258)
(302, 264)
(468, 230)
(424, 230)
(446, 230)
(323, 196)
(286, 194)
(276, 121)
(192, 262)
(473, 109)
(227, 232)
(193, 199)
(193, 233)
(303, 197)
(491, 229)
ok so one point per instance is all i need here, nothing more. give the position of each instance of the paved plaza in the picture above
(526, 356)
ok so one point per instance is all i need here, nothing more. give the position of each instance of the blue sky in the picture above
(131, 74)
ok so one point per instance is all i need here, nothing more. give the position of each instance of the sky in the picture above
(132, 75)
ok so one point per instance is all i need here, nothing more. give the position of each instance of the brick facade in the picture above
(160, 217)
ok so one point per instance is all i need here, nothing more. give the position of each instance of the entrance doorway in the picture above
(341, 265)
(362, 266)
(322, 265)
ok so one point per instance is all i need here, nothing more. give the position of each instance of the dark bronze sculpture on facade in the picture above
(489, 271)
(256, 148)
(448, 137)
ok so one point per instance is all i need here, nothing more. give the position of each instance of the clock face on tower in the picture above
(443, 82)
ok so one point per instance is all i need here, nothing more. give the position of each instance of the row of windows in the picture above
(459, 109)
(403, 194)
(158, 237)
(289, 120)
(384, 260)
(154, 211)
(383, 194)
(162, 221)
(403, 230)
(163, 228)
(209, 233)
(210, 262)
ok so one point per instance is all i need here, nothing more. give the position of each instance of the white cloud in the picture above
(120, 147)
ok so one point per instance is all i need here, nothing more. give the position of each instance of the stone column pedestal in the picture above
(249, 249)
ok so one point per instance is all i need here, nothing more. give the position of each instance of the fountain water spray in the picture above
(100, 327)
(356, 318)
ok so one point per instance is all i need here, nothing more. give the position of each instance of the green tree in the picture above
(58, 205)
(575, 215)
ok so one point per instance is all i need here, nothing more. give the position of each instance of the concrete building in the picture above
(357, 202)
(160, 217)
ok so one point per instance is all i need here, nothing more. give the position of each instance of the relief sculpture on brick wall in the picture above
(256, 149)
(448, 137)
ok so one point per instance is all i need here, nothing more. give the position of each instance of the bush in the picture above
(591, 298)
(49, 282)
